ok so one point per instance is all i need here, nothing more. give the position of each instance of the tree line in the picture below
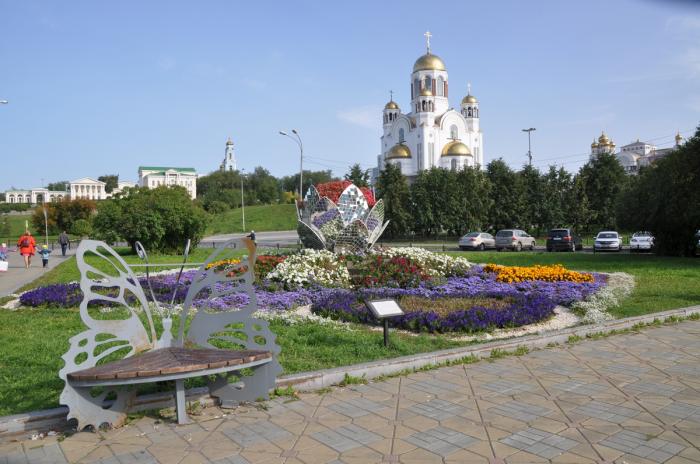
(664, 199)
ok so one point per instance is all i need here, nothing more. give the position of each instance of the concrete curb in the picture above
(20, 426)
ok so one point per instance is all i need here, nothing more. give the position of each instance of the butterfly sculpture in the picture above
(122, 323)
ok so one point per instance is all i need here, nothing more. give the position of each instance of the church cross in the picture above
(391, 95)
(428, 35)
(469, 88)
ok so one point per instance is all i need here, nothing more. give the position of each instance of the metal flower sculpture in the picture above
(348, 227)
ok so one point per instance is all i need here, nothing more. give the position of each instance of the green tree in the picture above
(111, 181)
(162, 219)
(61, 215)
(532, 216)
(260, 187)
(665, 199)
(358, 176)
(578, 212)
(393, 190)
(604, 179)
(60, 186)
(508, 196)
(291, 183)
(82, 228)
(474, 199)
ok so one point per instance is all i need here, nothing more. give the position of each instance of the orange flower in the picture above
(553, 273)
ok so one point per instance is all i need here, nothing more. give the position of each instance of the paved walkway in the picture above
(17, 276)
(631, 398)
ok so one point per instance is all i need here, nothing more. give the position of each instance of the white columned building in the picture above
(34, 196)
(152, 177)
(87, 188)
(431, 134)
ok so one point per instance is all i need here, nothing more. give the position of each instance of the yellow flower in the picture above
(553, 273)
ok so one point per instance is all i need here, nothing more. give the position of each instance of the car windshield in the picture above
(641, 234)
(559, 233)
(607, 235)
(504, 233)
(472, 234)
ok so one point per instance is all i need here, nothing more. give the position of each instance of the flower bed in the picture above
(554, 273)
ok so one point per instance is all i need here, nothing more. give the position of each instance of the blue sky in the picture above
(103, 87)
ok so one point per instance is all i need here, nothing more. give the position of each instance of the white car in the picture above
(607, 240)
(477, 241)
(641, 241)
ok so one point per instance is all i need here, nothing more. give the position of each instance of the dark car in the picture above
(563, 239)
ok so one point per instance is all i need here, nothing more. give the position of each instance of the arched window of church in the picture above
(416, 87)
(476, 112)
(402, 138)
(453, 164)
(440, 87)
(428, 83)
(469, 112)
(423, 105)
(454, 134)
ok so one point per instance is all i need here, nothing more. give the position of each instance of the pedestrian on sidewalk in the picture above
(251, 235)
(27, 247)
(45, 252)
(3, 258)
(64, 241)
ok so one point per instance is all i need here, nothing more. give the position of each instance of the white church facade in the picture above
(632, 156)
(431, 134)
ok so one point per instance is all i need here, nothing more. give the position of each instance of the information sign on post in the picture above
(383, 310)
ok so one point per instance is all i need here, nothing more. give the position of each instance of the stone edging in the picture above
(20, 426)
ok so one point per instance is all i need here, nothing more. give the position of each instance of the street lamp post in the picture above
(529, 149)
(242, 200)
(297, 140)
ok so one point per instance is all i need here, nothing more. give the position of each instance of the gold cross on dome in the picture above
(428, 35)
(391, 95)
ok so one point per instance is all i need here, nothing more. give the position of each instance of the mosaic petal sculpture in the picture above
(348, 227)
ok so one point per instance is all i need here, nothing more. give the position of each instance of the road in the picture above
(17, 276)
(271, 239)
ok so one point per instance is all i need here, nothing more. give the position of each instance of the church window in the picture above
(476, 112)
(440, 87)
(453, 164)
(469, 112)
(454, 134)
(402, 135)
(416, 87)
(428, 83)
(423, 105)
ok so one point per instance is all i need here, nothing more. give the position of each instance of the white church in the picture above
(431, 133)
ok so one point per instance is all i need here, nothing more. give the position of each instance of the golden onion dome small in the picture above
(603, 139)
(679, 138)
(398, 151)
(456, 148)
(429, 62)
(594, 144)
(469, 99)
(229, 141)
(391, 105)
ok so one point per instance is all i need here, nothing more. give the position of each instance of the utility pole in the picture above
(242, 200)
(298, 141)
(529, 146)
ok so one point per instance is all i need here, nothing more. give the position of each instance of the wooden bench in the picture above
(153, 359)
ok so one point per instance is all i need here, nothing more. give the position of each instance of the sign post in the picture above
(383, 310)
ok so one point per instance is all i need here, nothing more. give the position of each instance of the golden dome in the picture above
(594, 144)
(679, 138)
(229, 141)
(426, 92)
(603, 139)
(391, 105)
(469, 99)
(398, 151)
(456, 148)
(429, 62)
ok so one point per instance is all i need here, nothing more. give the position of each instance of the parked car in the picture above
(514, 239)
(563, 239)
(641, 241)
(607, 240)
(477, 241)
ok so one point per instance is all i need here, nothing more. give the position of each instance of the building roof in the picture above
(86, 180)
(165, 168)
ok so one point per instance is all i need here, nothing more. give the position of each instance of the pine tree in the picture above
(358, 176)
(393, 189)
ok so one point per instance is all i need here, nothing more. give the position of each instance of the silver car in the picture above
(477, 241)
(607, 240)
(514, 239)
(641, 241)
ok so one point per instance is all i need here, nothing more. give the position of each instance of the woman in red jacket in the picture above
(27, 246)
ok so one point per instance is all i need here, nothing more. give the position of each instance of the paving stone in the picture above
(45, 454)
(580, 387)
(640, 445)
(347, 437)
(654, 388)
(626, 369)
(684, 370)
(493, 368)
(437, 409)
(436, 387)
(543, 444)
(356, 407)
(508, 387)
(686, 411)
(256, 432)
(521, 411)
(232, 460)
(668, 356)
(558, 369)
(441, 440)
(606, 411)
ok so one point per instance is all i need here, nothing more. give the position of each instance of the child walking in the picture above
(45, 252)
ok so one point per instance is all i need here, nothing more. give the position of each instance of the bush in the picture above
(63, 214)
(82, 228)
(162, 219)
(216, 206)
(19, 207)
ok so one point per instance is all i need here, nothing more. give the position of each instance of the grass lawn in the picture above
(259, 218)
(17, 227)
(29, 363)
(662, 282)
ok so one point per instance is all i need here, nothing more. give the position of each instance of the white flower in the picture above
(435, 264)
(595, 308)
(319, 266)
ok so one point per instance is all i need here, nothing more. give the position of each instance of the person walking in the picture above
(27, 247)
(64, 241)
(251, 235)
(45, 252)
(3, 258)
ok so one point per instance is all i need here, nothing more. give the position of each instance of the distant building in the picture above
(152, 177)
(87, 188)
(121, 185)
(229, 163)
(633, 155)
(34, 196)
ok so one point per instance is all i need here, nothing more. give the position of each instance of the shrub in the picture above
(63, 214)
(162, 219)
(82, 228)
